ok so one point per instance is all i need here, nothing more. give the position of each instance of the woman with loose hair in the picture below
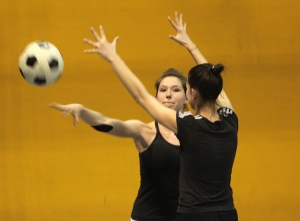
(157, 146)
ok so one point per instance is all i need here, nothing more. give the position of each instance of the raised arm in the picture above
(162, 114)
(130, 128)
(224, 101)
(183, 39)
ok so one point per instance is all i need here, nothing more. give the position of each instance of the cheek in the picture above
(182, 98)
(159, 97)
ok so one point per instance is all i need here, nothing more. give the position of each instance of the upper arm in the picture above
(129, 128)
(165, 116)
(224, 100)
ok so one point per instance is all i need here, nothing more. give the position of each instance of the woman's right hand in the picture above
(73, 109)
(101, 46)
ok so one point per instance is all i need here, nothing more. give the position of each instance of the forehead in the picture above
(170, 81)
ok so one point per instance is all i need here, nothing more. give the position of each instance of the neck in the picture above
(163, 128)
(209, 111)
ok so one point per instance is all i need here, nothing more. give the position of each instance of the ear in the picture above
(194, 94)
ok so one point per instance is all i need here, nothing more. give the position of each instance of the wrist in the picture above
(112, 57)
(192, 49)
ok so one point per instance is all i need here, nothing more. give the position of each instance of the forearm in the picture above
(195, 52)
(91, 117)
(197, 55)
(157, 111)
(130, 81)
(108, 125)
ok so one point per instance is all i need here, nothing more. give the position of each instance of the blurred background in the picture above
(53, 171)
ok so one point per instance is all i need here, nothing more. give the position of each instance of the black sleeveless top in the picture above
(158, 194)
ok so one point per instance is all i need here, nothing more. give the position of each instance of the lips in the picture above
(168, 104)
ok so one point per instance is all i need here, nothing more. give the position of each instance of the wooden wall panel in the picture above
(50, 170)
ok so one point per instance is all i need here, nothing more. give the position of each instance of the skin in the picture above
(162, 109)
(170, 94)
(157, 111)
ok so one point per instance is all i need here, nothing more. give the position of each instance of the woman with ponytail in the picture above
(208, 139)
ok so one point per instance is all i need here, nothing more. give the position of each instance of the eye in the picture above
(176, 90)
(162, 90)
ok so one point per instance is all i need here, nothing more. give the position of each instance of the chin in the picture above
(169, 106)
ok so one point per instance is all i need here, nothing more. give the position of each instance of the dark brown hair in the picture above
(175, 73)
(206, 78)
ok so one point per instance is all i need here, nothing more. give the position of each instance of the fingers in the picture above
(178, 22)
(90, 51)
(180, 19)
(172, 37)
(102, 32)
(116, 39)
(176, 17)
(172, 23)
(98, 38)
(89, 42)
(63, 108)
(75, 122)
(65, 113)
(56, 106)
(52, 105)
(114, 43)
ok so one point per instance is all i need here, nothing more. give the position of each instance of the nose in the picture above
(168, 94)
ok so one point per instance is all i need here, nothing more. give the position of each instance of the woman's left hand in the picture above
(181, 36)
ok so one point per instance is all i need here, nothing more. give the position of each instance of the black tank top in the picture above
(158, 194)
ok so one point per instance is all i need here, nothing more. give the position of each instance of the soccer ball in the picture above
(41, 63)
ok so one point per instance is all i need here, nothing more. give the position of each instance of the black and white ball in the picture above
(41, 63)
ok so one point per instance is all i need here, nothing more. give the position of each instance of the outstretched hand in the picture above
(73, 109)
(181, 36)
(101, 45)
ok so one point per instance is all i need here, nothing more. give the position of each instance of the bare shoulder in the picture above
(141, 126)
(151, 125)
(149, 130)
(147, 135)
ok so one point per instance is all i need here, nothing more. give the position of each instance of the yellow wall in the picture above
(51, 171)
